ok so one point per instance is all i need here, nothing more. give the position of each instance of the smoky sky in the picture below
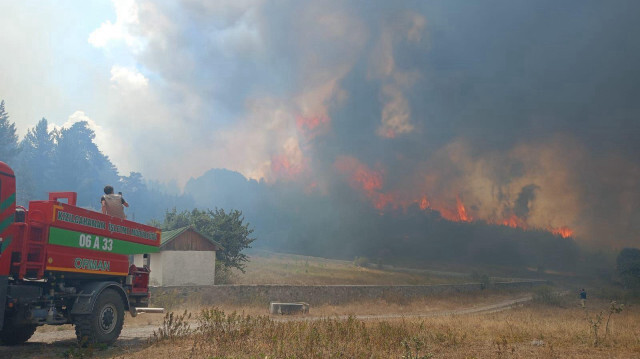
(494, 72)
(510, 107)
(502, 72)
(561, 77)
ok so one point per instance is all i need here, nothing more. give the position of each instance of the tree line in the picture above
(48, 159)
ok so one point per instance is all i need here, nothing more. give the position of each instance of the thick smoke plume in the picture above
(514, 113)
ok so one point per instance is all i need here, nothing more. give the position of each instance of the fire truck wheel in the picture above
(104, 323)
(13, 334)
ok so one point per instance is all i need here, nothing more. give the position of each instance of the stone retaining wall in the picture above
(313, 294)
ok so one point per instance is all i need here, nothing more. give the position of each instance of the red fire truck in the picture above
(62, 264)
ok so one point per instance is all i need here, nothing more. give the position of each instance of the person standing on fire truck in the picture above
(113, 204)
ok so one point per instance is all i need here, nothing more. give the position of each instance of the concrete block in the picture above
(288, 308)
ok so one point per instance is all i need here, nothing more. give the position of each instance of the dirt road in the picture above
(55, 344)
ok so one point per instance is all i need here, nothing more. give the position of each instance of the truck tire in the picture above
(104, 324)
(12, 334)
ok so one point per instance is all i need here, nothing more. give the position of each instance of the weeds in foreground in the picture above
(596, 322)
(78, 353)
(216, 323)
(173, 327)
(413, 347)
(82, 350)
(449, 337)
(218, 333)
(541, 331)
(504, 347)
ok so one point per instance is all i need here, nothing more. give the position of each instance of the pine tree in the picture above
(8, 138)
(35, 161)
(80, 166)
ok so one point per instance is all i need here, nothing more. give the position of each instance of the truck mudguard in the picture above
(87, 297)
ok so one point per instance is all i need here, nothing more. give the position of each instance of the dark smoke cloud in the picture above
(524, 200)
(523, 105)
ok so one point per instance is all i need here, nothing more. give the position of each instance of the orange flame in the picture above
(312, 126)
(462, 212)
(381, 200)
(448, 214)
(424, 203)
(563, 231)
(512, 221)
(457, 214)
(364, 178)
(371, 182)
(285, 168)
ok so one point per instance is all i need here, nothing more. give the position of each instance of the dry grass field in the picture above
(531, 331)
(277, 268)
(534, 330)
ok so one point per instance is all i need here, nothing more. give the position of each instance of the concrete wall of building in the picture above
(187, 268)
(157, 268)
(180, 268)
(317, 294)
